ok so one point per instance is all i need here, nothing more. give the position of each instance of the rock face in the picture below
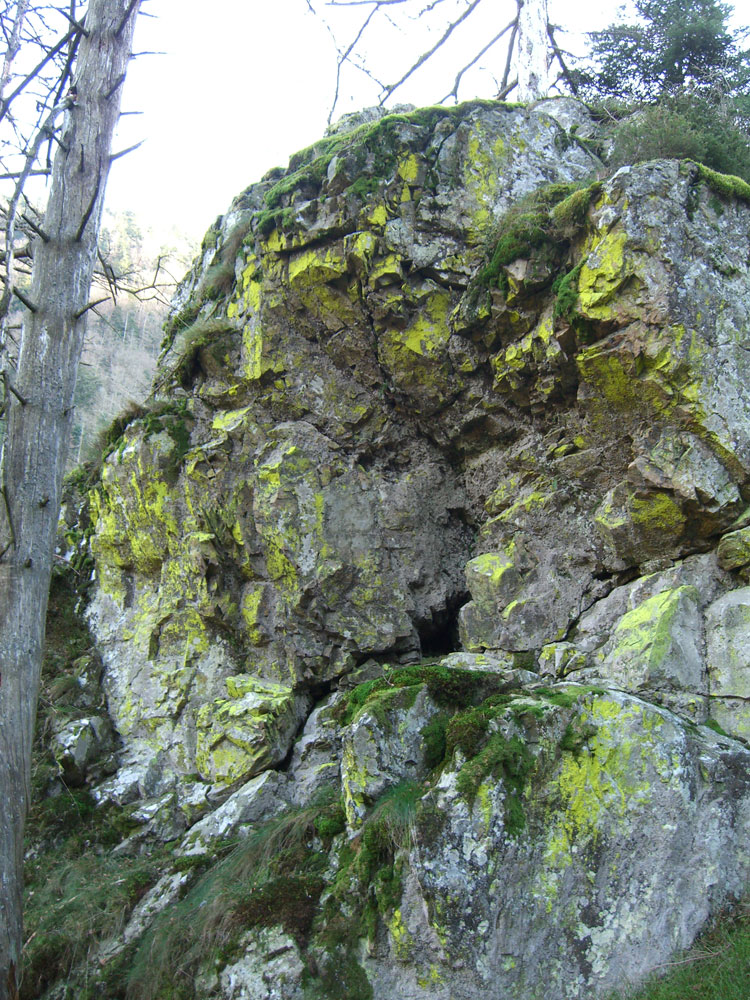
(439, 515)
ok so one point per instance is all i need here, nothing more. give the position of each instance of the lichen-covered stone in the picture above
(83, 743)
(314, 769)
(728, 661)
(733, 551)
(383, 746)
(657, 649)
(258, 800)
(625, 830)
(250, 730)
(277, 977)
(385, 437)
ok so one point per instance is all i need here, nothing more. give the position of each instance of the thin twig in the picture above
(124, 152)
(6, 102)
(699, 957)
(477, 57)
(342, 59)
(389, 91)
(30, 173)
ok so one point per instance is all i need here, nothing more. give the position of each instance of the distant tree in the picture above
(673, 45)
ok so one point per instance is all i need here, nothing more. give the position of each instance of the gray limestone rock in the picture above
(383, 746)
(728, 661)
(628, 832)
(316, 759)
(84, 748)
(258, 800)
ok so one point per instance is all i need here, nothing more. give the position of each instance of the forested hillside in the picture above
(141, 268)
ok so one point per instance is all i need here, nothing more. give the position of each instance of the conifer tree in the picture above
(673, 45)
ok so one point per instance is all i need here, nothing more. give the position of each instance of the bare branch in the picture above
(67, 69)
(504, 89)
(31, 173)
(507, 89)
(76, 24)
(14, 43)
(35, 228)
(389, 91)
(32, 152)
(109, 275)
(91, 305)
(22, 298)
(126, 17)
(115, 86)
(558, 54)
(11, 531)
(477, 57)
(90, 209)
(124, 152)
(21, 399)
(7, 101)
(342, 58)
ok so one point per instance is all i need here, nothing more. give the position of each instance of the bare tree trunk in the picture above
(531, 56)
(39, 428)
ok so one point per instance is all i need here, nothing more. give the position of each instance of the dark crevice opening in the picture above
(439, 636)
(318, 692)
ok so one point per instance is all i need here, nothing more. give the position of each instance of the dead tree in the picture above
(532, 62)
(39, 405)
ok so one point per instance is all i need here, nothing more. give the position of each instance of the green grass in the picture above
(77, 896)
(273, 877)
(78, 893)
(717, 967)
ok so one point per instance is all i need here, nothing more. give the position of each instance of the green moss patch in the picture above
(372, 151)
(540, 222)
(448, 687)
(725, 185)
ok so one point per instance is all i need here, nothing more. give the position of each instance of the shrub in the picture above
(685, 126)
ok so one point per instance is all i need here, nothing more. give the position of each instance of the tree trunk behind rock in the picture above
(531, 57)
(38, 429)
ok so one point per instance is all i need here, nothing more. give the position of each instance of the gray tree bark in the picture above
(39, 428)
(531, 60)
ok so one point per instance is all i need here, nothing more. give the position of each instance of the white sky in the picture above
(245, 83)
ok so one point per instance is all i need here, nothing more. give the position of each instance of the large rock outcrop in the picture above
(440, 510)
